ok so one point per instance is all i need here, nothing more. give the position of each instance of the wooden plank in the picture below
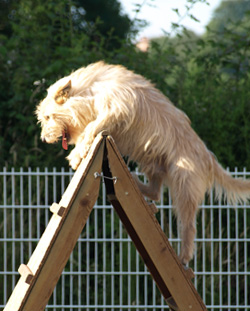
(148, 236)
(60, 236)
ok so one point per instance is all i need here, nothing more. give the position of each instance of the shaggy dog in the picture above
(148, 128)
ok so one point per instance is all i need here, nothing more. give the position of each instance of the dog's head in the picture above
(53, 113)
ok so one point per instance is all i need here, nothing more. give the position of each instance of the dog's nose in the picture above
(43, 139)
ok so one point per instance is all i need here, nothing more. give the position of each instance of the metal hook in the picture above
(96, 175)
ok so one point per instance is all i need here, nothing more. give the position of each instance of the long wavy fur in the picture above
(148, 128)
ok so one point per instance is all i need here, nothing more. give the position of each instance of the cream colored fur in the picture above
(148, 128)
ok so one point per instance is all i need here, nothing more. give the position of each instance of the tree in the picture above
(230, 13)
(7, 12)
(208, 78)
(104, 17)
(40, 41)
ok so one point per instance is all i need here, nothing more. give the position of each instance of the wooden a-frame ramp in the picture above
(40, 275)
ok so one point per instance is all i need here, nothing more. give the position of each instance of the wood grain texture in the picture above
(40, 275)
(150, 240)
(60, 236)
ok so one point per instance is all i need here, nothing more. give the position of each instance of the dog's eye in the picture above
(46, 118)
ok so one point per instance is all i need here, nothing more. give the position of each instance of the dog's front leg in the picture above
(85, 141)
(91, 131)
(74, 158)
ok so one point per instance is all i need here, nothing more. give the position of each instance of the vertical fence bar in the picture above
(63, 283)
(13, 227)
(145, 271)
(104, 247)
(162, 219)
(145, 287)
(137, 299)
(129, 274)
(71, 286)
(203, 256)
(79, 291)
(29, 210)
(220, 255)
(38, 202)
(212, 252)
(112, 260)
(228, 256)
(46, 195)
(96, 256)
(195, 272)
(23, 204)
(79, 253)
(120, 265)
(87, 290)
(245, 250)
(54, 200)
(237, 248)
(154, 294)
(21, 216)
(5, 236)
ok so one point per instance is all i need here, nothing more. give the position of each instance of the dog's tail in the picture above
(234, 190)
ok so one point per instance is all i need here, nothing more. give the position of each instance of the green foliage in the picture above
(40, 42)
(104, 17)
(207, 77)
(230, 14)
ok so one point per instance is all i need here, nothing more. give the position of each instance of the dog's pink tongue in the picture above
(64, 141)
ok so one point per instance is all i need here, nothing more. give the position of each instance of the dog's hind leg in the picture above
(186, 205)
(188, 232)
(152, 190)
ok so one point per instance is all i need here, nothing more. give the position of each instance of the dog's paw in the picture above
(74, 159)
(74, 163)
(77, 154)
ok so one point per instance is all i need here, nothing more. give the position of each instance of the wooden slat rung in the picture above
(189, 273)
(26, 273)
(57, 209)
(153, 207)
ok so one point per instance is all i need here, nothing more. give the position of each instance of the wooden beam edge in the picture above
(186, 274)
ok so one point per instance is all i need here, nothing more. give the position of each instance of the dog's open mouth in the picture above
(65, 137)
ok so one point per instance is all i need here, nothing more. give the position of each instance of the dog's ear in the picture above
(63, 94)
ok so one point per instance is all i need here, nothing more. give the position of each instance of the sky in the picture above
(160, 15)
